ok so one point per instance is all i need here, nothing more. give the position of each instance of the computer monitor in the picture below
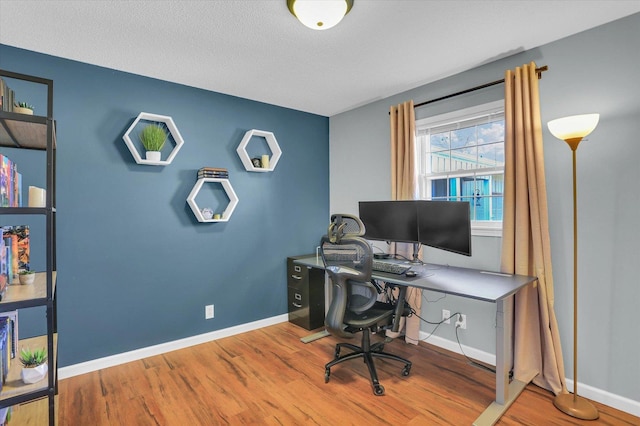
(394, 221)
(445, 225)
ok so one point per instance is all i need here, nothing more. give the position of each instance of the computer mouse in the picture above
(410, 274)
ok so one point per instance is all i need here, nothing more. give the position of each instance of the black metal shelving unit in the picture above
(34, 132)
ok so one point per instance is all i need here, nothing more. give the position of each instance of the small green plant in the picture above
(31, 359)
(153, 137)
(26, 272)
(25, 105)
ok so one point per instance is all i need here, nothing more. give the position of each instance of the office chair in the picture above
(354, 306)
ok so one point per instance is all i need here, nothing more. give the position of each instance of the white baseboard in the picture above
(616, 401)
(113, 360)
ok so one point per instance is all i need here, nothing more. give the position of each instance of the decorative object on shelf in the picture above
(226, 186)
(37, 197)
(256, 164)
(153, 138)
(207, 213)
(23, 108)
(26, 277)
(34, 365)
(319, 14)
(173, 137)
(571, 130)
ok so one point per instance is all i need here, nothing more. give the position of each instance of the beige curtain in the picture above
(525, 236)
(403, 187)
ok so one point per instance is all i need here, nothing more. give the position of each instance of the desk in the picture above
(474, 284)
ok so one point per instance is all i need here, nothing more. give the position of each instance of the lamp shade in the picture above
(573, 127)
(319, 14)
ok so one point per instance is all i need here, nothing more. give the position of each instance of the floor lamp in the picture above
(571, 130)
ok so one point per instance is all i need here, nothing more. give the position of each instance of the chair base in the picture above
(367, 352)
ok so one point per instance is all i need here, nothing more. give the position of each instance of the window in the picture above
(461, 158)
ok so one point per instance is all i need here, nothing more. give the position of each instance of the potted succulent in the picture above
(153, 138)
(34, 365)
(23, 108)
(26, 277)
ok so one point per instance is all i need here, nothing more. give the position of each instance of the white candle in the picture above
(37, 197)
(265, 161)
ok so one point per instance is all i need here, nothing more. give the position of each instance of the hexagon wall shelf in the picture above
(271, 142)
(175, 135)
(226, 185)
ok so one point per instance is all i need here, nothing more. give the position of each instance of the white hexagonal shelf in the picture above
(273, 147)
(176, 138)
(226, 185)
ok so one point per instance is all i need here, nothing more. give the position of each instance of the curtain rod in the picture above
(539, 71)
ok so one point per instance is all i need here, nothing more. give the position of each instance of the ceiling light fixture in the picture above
(319, 14)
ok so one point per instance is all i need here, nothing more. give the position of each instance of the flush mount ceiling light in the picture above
(319, 14)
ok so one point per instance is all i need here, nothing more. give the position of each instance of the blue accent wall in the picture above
(135, 267)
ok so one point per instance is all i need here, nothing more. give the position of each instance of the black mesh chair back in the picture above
(354, 306)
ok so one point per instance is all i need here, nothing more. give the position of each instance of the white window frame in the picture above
(478, 227)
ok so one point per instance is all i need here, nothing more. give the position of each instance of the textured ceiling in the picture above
(256, 49)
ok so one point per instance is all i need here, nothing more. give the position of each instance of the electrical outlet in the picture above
(462, 321)
(446, 316)
(208, 312)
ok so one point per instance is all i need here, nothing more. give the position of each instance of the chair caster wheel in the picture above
(378, 390)
(406, 370)
(336, 353)
(327, 373)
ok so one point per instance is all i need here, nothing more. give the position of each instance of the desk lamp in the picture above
(571, 130)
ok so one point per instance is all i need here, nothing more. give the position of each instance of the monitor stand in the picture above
(416, 249)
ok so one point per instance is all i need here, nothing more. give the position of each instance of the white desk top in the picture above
(477, 284)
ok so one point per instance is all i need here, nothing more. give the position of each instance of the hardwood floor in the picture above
(269, 377)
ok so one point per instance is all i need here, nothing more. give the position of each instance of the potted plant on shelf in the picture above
(26, 277)
(153, 138)
(34, 365)
(23, 108)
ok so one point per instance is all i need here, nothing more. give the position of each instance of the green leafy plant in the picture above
(25, 105)
(26, 272)
(31, 359)
(153, 137)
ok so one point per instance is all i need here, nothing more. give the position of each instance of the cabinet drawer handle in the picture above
(296, 277)
(297, 296)
(297, 305)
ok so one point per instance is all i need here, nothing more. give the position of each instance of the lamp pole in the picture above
(572, 130)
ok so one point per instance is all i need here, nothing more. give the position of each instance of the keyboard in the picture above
(390, 267)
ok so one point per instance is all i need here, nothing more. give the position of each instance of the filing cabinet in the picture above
(305, 294)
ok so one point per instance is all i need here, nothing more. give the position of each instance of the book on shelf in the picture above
(212, 169)
(11, 317)
(5, 352)
(213, 175)
(7, 96)
(10, 183)
(213, 172)
(14, 253)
